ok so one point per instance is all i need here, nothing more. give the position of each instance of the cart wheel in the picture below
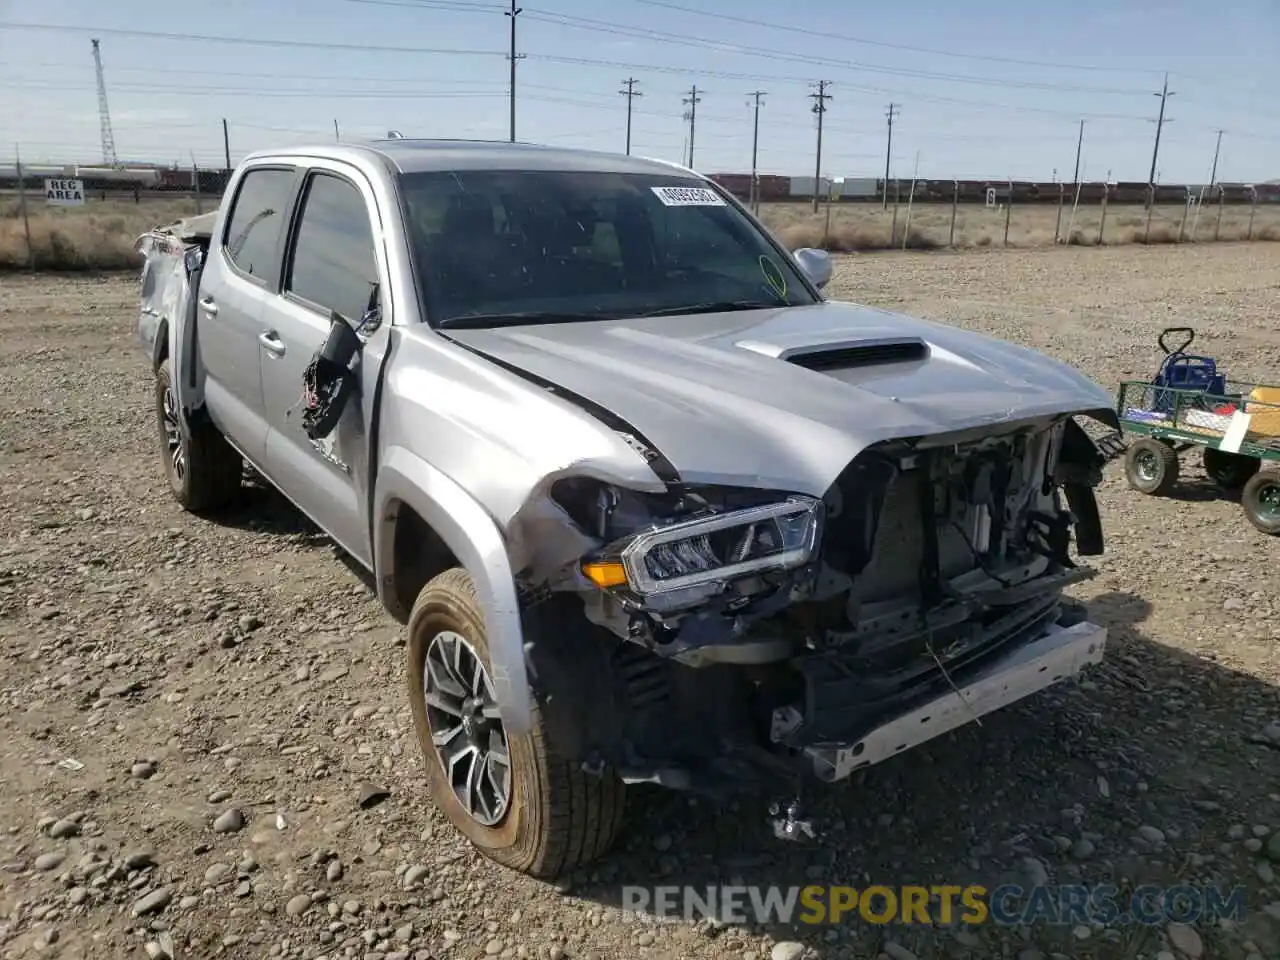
(1231, 471)
(1151, 466)
(1261, 501)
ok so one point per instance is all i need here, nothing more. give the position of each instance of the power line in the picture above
(459, 6)
(249, 41)
(550, 58)
(845, 38)
(819, 99)
(770, 53)
(860, 88)
(630, 93)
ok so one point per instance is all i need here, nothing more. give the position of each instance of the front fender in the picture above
(468, 531)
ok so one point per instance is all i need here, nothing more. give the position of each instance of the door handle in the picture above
(272, 343)
(209, 307)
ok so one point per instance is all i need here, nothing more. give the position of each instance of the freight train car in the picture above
(96, 178)
(772, 186)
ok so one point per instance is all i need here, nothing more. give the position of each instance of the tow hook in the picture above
(787, 820)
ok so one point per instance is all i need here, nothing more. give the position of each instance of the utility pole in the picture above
(226, 144)
(755, 145)
(1213, 176)
(1164, 94)
(819, 107)
(630, 93)
(1075, 177)
(888, 152)
(513, 13)
(22, 206)
(336, 134)
(692, 100)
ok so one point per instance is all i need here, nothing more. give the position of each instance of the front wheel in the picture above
(510, 795)
(1261, 501)
(203, 470)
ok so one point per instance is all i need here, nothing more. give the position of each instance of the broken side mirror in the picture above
(816, 264)
(328, 381)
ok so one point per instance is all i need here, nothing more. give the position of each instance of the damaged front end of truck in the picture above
(734, 636)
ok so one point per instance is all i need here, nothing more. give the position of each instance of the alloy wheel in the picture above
(466, 728)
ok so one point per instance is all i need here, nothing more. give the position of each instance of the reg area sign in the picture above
(64, 193)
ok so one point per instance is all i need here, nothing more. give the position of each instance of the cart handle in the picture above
(1191, 335)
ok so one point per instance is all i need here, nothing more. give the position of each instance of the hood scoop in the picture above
(843, 354)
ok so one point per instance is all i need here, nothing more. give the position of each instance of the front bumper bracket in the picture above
(1062, 653)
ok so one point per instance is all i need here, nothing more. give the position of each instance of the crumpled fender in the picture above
(167, 317)
(473, 536)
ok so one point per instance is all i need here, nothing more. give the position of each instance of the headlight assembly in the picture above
(713, 549)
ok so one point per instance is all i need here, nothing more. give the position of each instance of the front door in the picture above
(237, 283)
(330, 265)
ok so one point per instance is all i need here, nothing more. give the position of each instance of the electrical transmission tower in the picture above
(104, 114)
(819, 99)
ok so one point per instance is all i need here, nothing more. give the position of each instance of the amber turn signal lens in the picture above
(609, 574)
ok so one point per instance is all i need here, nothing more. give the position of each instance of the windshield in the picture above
(504, 246)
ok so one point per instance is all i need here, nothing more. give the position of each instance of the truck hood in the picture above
(785, 398)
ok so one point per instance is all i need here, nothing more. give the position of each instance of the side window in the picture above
(333, 264)
(261, 205)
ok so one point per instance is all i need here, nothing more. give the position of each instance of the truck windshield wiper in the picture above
(474, 321)
(714, 306)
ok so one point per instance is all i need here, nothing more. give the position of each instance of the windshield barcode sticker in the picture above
(688, 196)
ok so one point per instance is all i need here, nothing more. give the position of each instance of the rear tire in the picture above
(1151, 466)
(203, 470)
(555, 817)
(1261, 501)
(1231, 471)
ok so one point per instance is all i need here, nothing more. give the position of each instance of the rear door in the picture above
(240, 277)
(332, 263)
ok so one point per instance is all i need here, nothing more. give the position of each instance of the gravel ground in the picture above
(191, 712)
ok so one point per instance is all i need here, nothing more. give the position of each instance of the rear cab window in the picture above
(259, 210)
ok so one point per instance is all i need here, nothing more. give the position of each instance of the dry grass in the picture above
(100, 235)
(855, 227)
(97, 236)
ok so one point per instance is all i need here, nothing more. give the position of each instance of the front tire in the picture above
(522, 806)
(203, 470)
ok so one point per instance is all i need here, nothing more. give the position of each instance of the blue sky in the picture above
(986, 88)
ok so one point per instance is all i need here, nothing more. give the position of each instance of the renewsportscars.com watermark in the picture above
(939, 904)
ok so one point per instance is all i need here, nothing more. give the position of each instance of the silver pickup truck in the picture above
(651, 507)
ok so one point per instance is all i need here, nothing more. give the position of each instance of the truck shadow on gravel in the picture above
(262, 509)
(1052, 790)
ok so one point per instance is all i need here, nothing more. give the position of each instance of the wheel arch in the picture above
(409, 491)
(160, 345)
